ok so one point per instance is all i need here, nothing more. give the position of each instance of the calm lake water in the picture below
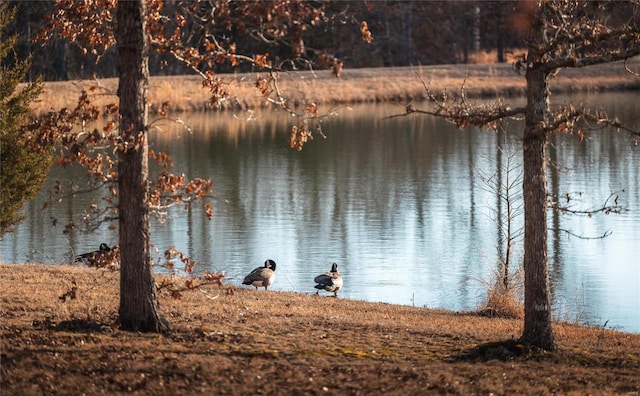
(397, 203)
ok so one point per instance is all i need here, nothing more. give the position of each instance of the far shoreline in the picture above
(370, 85)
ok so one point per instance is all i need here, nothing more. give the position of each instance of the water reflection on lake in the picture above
(396, 203)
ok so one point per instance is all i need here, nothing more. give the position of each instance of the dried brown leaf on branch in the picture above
(366, 34)
(299, 136)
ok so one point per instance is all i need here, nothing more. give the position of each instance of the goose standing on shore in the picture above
(262, 276)
(91, 258)
(330, 281)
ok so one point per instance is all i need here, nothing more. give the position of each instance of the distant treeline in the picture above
(404, 32)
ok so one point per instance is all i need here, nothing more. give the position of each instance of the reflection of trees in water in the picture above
(586, 174)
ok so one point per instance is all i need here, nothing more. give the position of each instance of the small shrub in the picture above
(501, 301)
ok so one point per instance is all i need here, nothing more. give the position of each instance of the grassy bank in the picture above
(185, 93)
(231, 340)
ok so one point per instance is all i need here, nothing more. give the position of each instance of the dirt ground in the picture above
(58, 335)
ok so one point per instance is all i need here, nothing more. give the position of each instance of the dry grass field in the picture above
(402, 84)
(237, 341)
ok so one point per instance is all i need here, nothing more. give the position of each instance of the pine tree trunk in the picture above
(138, 304)
(537, 298)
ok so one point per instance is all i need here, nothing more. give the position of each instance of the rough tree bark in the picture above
(537, 297)
(138, 304)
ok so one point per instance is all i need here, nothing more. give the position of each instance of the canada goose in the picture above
(104, 257)
(262, 276)
(88, 258)
(330, 281)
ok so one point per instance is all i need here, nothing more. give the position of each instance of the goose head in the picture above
(270, 264)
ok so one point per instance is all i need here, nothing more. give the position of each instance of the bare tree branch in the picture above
(565, 117)
(606, 208)
(459, 110)
(576, 62)
(628, 69)
(581, 236)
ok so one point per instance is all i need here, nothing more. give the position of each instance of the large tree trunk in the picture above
(537, 299)
(138, 304)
